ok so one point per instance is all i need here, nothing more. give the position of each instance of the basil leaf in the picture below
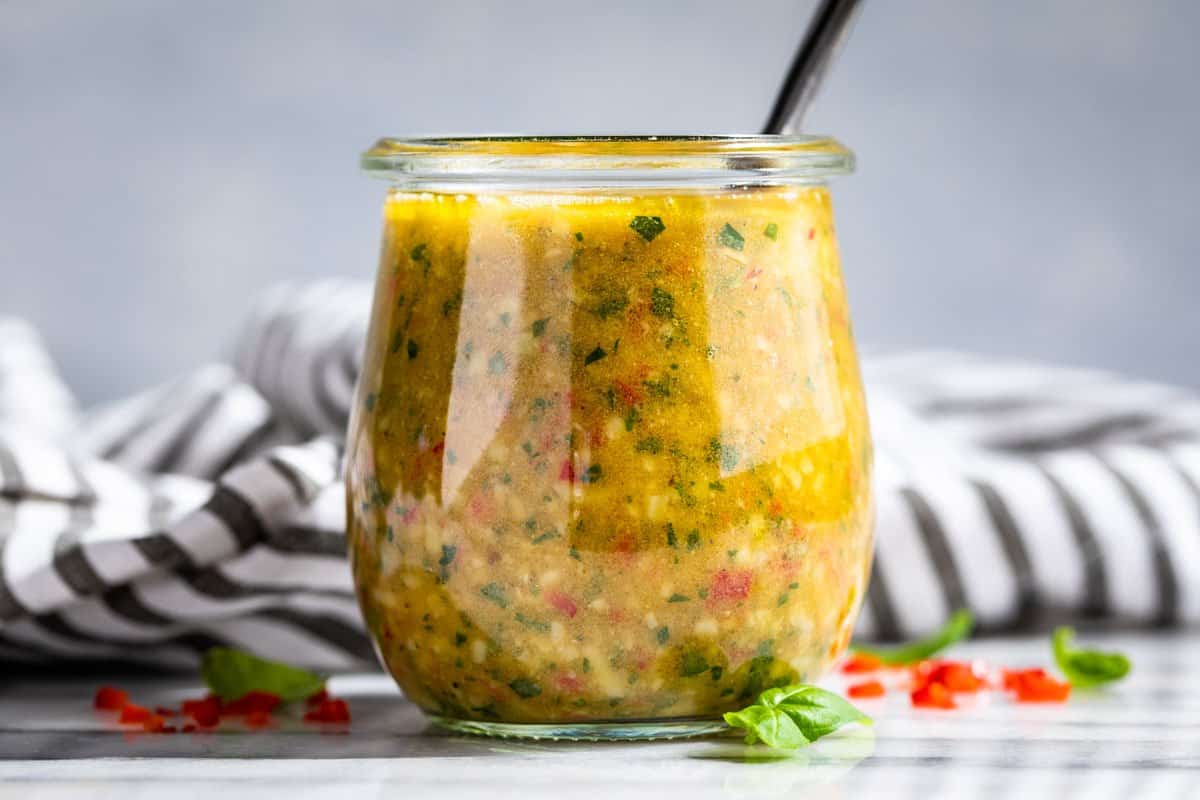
(230, 674)
(648, 227)
(955, 630)
(793, 716)
(1085, 668)
(815, 711)
(731, 237)
(768, 724)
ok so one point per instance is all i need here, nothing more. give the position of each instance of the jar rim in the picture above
(607, 160)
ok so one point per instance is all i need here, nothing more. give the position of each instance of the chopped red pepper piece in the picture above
(332, 710)
(133, 713)
(189, 728)
(861, 662)
(206, 712)
(251, 702)
(153, 724)
(562, 602)
(110, 698)
(933, 695)
(1036, 686)
(730, 585)
(957, 676)
(866, 689)
(258, 719)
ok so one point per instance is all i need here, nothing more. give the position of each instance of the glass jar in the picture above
(609, 465)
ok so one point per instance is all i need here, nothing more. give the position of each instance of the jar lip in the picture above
(608, 160)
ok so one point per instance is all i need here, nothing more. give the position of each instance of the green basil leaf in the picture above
(1085, 668)
(648, 227)
(770, 725)
(815, 711)
(955, 630)
(232, 673)
(792, 716)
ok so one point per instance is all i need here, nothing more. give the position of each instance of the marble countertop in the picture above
(1141, 738)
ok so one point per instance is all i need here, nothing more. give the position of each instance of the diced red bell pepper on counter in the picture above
(332, 710)
(110, 698)
(254, 708)
(250, 703)
(866, 689)
(1036, 686)
(861, 662)
(933, 695)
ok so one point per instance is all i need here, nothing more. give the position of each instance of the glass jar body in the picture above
(609, 466)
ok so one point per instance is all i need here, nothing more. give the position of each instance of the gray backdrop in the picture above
(1028, 173)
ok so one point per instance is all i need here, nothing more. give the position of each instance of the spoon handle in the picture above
(824, 37)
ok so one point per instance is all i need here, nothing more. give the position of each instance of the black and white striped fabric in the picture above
(210, 510)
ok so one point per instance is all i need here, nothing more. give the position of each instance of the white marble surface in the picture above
(1141, 739)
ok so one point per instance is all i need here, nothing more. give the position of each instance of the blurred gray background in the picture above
(1028, 175)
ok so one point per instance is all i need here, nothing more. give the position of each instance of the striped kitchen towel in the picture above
(210, 510)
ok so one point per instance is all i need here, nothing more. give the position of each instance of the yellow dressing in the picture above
(610, 456)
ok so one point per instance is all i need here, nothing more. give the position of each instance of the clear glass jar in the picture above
(609, 466)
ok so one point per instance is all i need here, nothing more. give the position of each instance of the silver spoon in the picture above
(824, 37)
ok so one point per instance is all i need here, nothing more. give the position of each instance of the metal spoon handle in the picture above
(822, 40)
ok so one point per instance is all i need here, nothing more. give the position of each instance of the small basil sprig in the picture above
(233, 673)
(1085, 668)
(794, 716)
(957, 628)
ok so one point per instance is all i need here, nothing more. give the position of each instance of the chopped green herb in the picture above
(611, 305)
(495, 593)
(957, 628)
(648, 227)
(631, 418)
(730, 237)
(594, 356)
(723, 454)
(497, 365)
(578, 236)
(460, 638)
(671, 542)
(658, 388)
(693, 540)
(413, 349)
(771, 231)
(1086, 668)
(533, 624)
(677, 598)
(539, 326)
(593, 474)
(587, 665)
(651, 445)
(418, 253)
(663, 635)
(448, 553)
(525, 688)
(397, 341)
(693, 664)
(662, 304)
(369, 401)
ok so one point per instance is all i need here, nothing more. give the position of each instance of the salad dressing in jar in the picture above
(609, 466)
